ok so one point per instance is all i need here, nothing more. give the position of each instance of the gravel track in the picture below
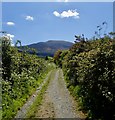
(57, 102)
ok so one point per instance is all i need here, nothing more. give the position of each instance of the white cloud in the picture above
(10, 23)
(67, 14)
(66, 0)
(9, 36)
(56, 14)
(58, 0)
(62, 0)
(29, 18)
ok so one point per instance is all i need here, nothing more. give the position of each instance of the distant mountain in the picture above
(50, 47)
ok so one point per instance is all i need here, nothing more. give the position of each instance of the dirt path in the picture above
(57, 102)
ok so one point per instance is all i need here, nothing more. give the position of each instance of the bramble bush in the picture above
(89, 68)
(21, 75)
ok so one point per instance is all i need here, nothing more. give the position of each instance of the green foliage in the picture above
(57, 56)
(6, 57)
(89, 68)
(46, 58)
(33, 108)
(21, 76)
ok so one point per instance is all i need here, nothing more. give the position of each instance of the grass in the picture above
(0, 114)
(18, 103)
(33, 108)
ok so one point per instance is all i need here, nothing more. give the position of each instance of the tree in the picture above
(79, 38)
(57, 57)
(6, 58)
(18, 41)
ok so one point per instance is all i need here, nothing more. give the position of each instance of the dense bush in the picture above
(89, 68)
(20, 73)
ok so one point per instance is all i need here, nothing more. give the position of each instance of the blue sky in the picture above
(36, 21)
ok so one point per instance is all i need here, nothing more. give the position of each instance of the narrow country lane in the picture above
(57, 102)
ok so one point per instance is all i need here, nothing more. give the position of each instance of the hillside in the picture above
(50, 47)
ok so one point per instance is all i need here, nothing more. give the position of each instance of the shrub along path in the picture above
(57, 101)
(23, 111)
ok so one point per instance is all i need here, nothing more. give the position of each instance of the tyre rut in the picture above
(57, 102)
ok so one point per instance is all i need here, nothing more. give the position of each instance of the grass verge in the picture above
(16, 104)
(0, 114)
(32, 110)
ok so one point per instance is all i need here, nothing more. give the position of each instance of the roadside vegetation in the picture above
(22, 73)
(88, 67)
(89, 70)
(34, 107)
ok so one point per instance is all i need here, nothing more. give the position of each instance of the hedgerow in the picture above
(89, 68)
(20, 77)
